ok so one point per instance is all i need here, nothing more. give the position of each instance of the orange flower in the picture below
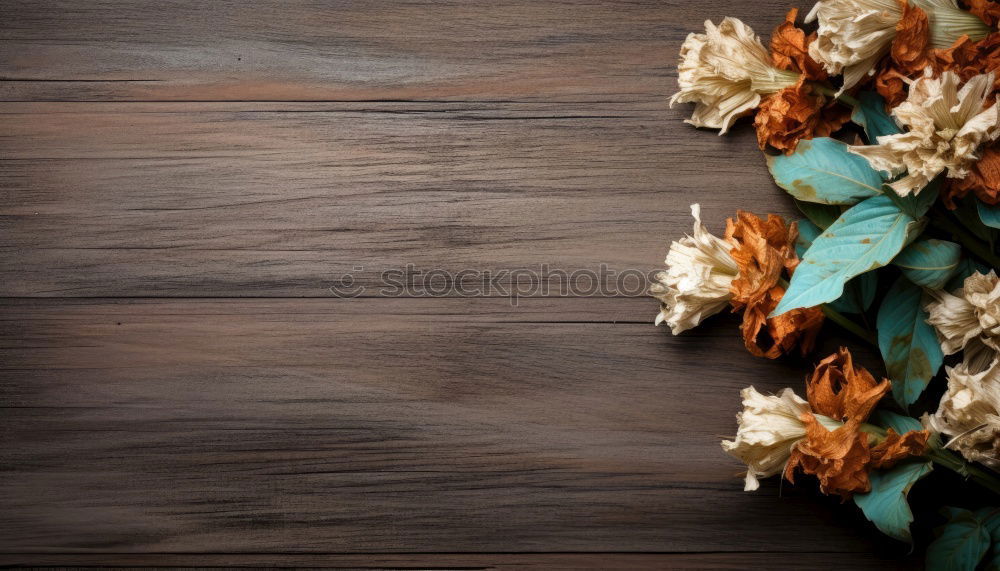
(842, 458)
(968, 58)
(790, 48)
(983, 180)
(912, 52)
(909, 55)
(764, 251)
(987, 10)
(795, 113)
(911, 47)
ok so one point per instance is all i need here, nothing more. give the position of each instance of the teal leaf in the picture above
(960, 544)
(859, 293)
(929, 263)
(807, 233)
(901, 424)
(870, 113)
(990, 215)
(908, 343)
(822, 170)
(865, 237)
(822, 215)
(990, 516)
(885, 505)
(917, 204)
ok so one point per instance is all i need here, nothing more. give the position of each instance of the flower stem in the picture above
(944, 222)
(946, 459)
(841, 320)
(949, 460)
(843, 97)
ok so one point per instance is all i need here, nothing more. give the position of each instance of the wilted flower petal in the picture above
(972, 312)
(947, 126)
(854, 35)
(841, 458)
(969, 411)
(724, 72)
(983, 179)
(796, 113)
(698, 278)
(764, 250)
(823, 436)
(768, 428)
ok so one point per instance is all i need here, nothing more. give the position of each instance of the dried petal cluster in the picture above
(969, 411)
(796, 112)
(769, 426)
(841, 458)
(746, 270)
(853, 35)
(824, 436)
(764, 252)
(970, 314)
(946, 127)
(728, 73)
(913, 53)
(983, 180)
(697, 282)
(724, 72)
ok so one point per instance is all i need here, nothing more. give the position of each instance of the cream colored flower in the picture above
(947, 126)
(969, 411)
(724, 72)
(854, 34)
(972, 312)
(769, 427)
(696, 283)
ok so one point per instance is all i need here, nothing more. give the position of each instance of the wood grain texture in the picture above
(381, 425)
(110, 199)
(473, 561)
(161, 161)
(529, 133)
(365, 50)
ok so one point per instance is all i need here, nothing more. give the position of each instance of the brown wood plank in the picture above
(283, 199)
(360, 50)
(183, 149)
(373, 425)
(701, 561)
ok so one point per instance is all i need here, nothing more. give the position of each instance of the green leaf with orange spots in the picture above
(822, 170)
(908, 343)
(865, 237)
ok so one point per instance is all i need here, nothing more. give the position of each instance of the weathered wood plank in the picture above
(374, 425)
(682, 561)
(283, 199)
(358, 50)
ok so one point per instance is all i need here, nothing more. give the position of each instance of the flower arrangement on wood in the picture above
(883, 125)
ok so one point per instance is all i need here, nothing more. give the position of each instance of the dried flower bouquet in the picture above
(883, 126)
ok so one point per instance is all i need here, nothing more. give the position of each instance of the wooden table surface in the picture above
(184, 181)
